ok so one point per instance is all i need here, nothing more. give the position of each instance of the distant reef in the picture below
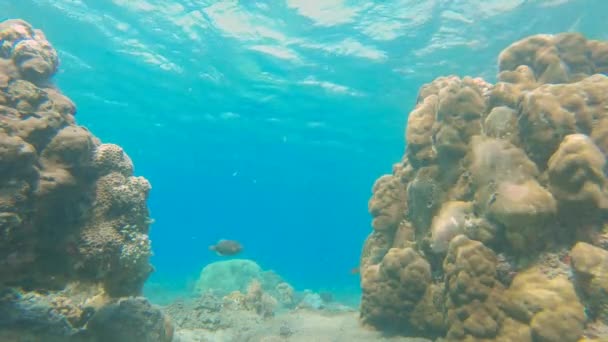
(74, 222)
(493, 227)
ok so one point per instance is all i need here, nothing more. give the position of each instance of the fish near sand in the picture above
(226, 247)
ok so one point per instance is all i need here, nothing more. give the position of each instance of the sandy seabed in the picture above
(294, 326)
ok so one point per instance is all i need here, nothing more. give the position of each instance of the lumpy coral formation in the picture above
(493, 226)
(71, 211)
(245, 283)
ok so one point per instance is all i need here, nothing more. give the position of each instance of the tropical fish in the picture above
(226, 247)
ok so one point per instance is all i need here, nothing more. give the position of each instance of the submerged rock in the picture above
(73, 218)
(224, 277)
(471, 231)
(130, 319)
(34, 317)
(80, 317)
(71, 208)
(590, 265)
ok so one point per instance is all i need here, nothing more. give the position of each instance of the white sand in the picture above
(296, 326)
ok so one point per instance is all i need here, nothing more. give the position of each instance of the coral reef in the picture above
(493, 226)
(225, 277)
(71, 211)
(130, 319)
(255, 315)
(296, 326)
(257, 305)
(590, 266)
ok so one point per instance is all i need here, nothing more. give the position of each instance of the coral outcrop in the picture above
(590, 265)
(223, 277)
(494, 224)
(73, 218)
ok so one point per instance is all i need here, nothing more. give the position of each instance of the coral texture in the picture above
(224, 277)
(71, 210)
(493, 226)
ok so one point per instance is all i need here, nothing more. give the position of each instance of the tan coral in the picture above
(544, 123)
(511, 86)
(54, 182)
(424, 195)
(419, 134)
(259, 301)
(590, 265)
(515, 169)
(576, 174)
(375, 247)
(560, 58)
(452, 219)
(70, 212)
(29, 50)
(99, 245)
(66, 308)
(121, 253)
(459, 218)
(38, 130)
(64, 160)
(57, 102)
(472, 291)
(448, 113)
(25, 96)
(501, 123)
(17, 155)
(72, 147)
(461, 106)
(111, 158)
(285, 294)
(549, 306)
(117, 192)
(496, 160)
(429, 313)
(405, 235)
(526, 210)
(387, 203)
(551, 112)
(8, 74)
(393, 288)
(599, 55)
(508, 193)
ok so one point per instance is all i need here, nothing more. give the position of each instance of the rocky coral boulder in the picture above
(33, 317)
(224, 277)
(394, 287)
(130, 319)
(497, 184)
(549, 307)
(472, 290)
(80, 313)
(71, 210)
(590, 264)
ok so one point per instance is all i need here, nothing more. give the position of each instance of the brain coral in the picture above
(71, 211)
(500, 183)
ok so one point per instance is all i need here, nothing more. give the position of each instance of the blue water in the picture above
(268, 121)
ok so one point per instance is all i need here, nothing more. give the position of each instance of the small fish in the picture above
(355, 270)
(226, 247)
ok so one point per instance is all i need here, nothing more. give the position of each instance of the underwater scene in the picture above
(303, 170)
